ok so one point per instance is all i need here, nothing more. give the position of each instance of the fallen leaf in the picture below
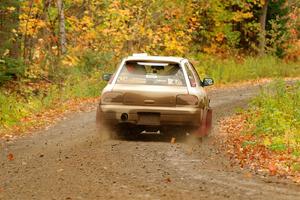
(173, 140)
(248, 175)
(272, 169)
(10, 156)
(168, 180)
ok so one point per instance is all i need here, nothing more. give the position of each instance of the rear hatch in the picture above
(149, 95)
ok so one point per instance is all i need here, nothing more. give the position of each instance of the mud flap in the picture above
(205, 124)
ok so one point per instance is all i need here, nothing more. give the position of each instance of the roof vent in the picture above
(139, 54)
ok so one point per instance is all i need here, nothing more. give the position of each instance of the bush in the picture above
(275, 115)
(92, 60)
(11, 68)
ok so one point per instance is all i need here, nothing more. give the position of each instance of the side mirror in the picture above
(207, 82)
(106, 76)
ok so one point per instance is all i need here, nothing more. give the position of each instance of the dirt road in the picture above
(71, 161)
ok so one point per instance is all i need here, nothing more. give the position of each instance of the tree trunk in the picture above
(46, 6)
(62, 27)
(262, 21)
(26, 50)
(45, 32)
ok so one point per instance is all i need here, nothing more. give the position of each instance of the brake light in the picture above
(186, 99)
(112, 97)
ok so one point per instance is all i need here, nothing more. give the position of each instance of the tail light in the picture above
(186, 99)
(112, 97)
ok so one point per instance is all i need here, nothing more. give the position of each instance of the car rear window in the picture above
(151, 73)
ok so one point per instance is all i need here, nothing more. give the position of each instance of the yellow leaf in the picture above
(220, 37)
(267, 141)
(11, 9)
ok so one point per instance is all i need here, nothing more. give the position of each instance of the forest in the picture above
(40, 37)
(51, 49)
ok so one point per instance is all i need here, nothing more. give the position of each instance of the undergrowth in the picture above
(274, 116)
(25, 98)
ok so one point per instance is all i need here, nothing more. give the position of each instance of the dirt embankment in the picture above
(71, 161)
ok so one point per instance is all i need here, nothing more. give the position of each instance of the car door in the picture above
(194, 83)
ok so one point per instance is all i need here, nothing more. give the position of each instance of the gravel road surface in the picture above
(71, 160)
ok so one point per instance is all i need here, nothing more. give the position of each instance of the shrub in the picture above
(275, 114)
(92, 60)
(11, 68)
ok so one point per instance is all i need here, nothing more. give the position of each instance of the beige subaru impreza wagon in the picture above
(154, 94)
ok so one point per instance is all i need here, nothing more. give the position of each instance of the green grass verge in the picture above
(275, 116)
(230, 70)
(28, 100)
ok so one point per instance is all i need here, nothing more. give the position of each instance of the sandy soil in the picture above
(72, 161)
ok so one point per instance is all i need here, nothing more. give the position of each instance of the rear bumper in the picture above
(166, 115)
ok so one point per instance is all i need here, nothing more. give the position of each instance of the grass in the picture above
(27, 99)
(275, 116)
(231, 70)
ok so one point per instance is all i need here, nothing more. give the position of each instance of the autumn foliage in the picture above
(33, 30)
(53, 51)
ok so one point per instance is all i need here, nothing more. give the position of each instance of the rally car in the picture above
(154, 93)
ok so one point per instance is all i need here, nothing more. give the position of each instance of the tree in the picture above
(27, 38)
(62, 27)
(262, 21)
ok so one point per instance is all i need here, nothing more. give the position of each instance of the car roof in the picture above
(145, 57)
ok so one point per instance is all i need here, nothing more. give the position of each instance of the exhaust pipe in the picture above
(124, 117)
